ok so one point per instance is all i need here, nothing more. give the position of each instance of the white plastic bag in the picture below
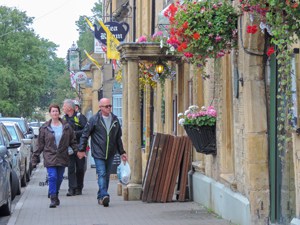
(123, 172)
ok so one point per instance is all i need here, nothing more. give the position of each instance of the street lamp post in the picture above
(74, 63)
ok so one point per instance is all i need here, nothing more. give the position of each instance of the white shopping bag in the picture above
(123, 172)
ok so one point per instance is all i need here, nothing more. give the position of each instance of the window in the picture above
(6, 136)
(13, 133)
(117, 106)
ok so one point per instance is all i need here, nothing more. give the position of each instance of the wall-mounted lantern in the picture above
(159, 67)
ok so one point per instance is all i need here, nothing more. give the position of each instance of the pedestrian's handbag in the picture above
(123, 172)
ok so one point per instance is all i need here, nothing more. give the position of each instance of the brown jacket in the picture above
(54, 155)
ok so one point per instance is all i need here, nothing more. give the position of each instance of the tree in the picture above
(86, 36)
(29, 67)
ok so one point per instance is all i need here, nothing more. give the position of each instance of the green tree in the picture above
(29, 67)
(86, 36)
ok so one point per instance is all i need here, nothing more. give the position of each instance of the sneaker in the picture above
(105, 201)
(100, 202)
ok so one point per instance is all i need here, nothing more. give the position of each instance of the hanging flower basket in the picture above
(203, 138)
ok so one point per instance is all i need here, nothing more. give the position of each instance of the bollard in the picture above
(125, 193)
(119, 189)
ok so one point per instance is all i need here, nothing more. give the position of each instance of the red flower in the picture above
(184, 45)
(185, 25)
(179, 49)
(293, 4)
(196, 36)
(270, 51)
(252, 29)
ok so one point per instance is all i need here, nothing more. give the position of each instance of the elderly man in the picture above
(105, 131)
(76, 168)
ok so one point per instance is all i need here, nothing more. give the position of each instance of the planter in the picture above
(203, 138)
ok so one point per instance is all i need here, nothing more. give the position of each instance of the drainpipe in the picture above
(134, 21)
(110, 10)
(153, 17)
(274, 162)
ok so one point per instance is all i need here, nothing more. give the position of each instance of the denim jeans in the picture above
(103, 169)
(55, 178)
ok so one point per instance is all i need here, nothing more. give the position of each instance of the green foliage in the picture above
(283, 18)
(202, 29)
(86, 36)
(29, 66)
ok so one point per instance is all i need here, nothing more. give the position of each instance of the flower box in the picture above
(203, 138)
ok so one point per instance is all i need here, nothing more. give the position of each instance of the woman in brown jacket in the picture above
(55, 136)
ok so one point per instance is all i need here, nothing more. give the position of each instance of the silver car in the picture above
(8, 177)
(24, 150)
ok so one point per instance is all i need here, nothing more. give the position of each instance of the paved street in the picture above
(33, 208)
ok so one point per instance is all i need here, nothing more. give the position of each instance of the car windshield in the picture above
(13, 133)
(20, 121)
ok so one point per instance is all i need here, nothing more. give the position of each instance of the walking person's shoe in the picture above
(105, 201)
(78, 192)
(53, 201)
(71, 192)
(57, 201)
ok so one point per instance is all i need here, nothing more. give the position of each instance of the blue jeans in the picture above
(55, 178)
(103, 169)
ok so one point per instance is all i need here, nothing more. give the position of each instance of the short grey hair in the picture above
(70, 102)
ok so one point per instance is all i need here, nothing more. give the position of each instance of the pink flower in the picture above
(220, 54)
(211, 111)
(218, 38)
(157, 34)
(188, 54)
(142, 39)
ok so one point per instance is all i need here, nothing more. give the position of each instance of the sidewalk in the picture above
(33, 208)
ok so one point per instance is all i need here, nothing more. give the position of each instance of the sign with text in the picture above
(80, 77)
(98, 47)
(119, 30)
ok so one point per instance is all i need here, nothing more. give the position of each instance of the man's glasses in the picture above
(106, 106)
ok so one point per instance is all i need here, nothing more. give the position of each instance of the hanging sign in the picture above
(119, 30)
(80, 77)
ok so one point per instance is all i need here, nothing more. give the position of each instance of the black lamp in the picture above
(159, 67)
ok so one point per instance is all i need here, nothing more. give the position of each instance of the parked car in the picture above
(27, 131)
(24, 150)
(36, 126)
(8, 177)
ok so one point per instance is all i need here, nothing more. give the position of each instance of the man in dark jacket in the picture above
(105, 131)
(76, 168)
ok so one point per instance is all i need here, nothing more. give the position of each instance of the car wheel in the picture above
(28, 175)
(5, 210)
(16, 185)
(24, 180)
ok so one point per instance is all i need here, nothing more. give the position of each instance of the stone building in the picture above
(248, 181)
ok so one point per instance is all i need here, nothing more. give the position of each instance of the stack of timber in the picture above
(168, 164)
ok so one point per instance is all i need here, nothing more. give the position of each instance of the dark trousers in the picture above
(76, 171)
